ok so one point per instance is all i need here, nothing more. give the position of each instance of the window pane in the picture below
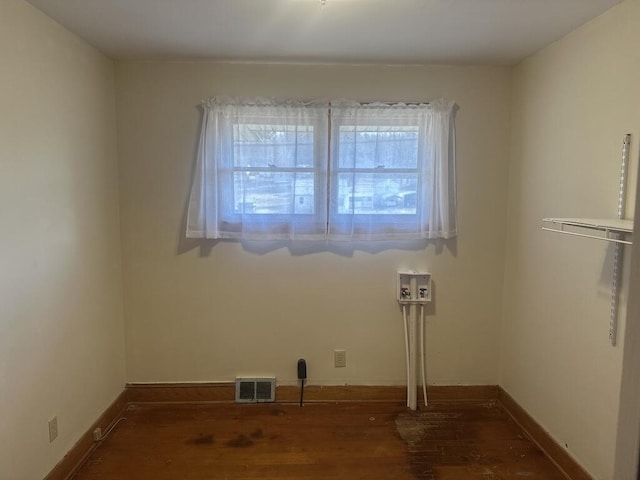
(377, 193)
(260, 145)
(273, 193)
(374, 146)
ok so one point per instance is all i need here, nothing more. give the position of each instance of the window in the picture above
(377, 158)
(261, 172)
(273, 168)
(277, 171)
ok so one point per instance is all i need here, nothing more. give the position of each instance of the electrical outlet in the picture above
(53, 429)
(97, 434)
(340, 358)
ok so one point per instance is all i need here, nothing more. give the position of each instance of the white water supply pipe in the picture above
(423, 363)
(406, 347)
(413, 337)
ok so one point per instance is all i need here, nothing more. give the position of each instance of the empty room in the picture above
(305, 239)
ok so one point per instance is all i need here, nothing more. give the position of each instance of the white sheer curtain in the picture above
(392, 171)
(441, 159)
(260, 171)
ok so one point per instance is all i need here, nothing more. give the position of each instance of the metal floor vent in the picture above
(255, 390)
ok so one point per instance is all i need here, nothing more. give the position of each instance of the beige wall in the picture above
(572, 104)
(225, 309)
(61, 320)
(628, 434)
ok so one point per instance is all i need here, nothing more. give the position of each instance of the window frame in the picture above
(388, 221)
(227, 170)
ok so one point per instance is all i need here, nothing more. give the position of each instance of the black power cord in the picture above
(302, 376)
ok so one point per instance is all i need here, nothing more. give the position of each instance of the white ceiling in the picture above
(493, 32)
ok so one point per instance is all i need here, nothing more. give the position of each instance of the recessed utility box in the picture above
(255, 389)
(413, 287)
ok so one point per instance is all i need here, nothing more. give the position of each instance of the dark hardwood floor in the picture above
(318, 441)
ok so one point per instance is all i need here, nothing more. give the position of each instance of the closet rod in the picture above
(606, 239)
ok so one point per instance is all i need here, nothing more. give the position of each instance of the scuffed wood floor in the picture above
(318, 441)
